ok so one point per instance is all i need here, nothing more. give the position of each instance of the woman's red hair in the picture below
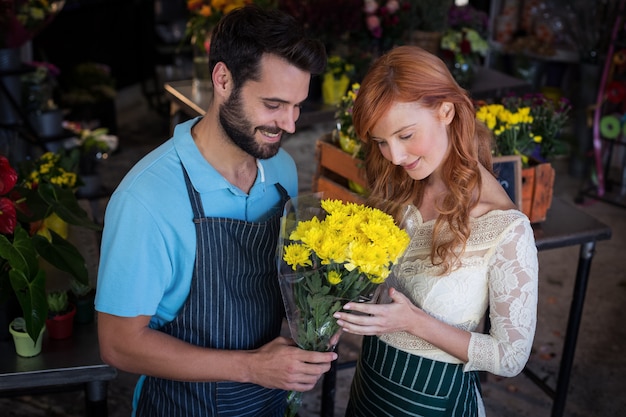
(410, 74)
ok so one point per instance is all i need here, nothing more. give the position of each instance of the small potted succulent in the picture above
(60, 322)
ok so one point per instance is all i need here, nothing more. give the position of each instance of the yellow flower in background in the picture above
(51, 168)
(512, 129)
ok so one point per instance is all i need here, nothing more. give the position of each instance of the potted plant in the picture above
(24, 345)
(60, 321)
(88, 90)
(429, 20)
(38, 88)
(86, 150)
(82, 295)
(26, 238)
(529, 126)
(336, 79)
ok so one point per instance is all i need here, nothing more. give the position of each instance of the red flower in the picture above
(8, 176)
(8, 218)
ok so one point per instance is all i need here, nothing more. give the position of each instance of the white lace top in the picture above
(499, 267)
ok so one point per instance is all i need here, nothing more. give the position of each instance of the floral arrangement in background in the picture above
(338, 67)
(468, 17)
(90, 141)
(528, 126)
(336, 79)
(20, 20)
(550, 116)
(88, 83)
(465, 43)
(204, 15)
(333, 252)
(49, 168)
(38, 87)
(28, 203)
(387, 22)
(344, 133)
(463, 50)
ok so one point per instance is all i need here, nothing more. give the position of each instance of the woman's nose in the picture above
(396, 153)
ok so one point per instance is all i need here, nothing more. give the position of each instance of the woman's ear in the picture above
(446, 112)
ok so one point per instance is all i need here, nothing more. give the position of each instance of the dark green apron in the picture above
(391, 382)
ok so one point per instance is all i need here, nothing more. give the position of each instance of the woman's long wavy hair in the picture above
(410, 74)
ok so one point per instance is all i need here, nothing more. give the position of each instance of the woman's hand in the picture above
(377, 319)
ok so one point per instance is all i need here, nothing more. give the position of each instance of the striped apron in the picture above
(234, 304)
(394, 383)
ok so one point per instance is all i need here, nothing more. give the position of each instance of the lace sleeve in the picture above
(513, 280)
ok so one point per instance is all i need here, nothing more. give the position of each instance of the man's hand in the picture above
(281, 364)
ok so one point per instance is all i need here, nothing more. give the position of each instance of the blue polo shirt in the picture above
(149, 239)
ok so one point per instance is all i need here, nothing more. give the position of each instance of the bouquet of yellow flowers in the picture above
(331, 253)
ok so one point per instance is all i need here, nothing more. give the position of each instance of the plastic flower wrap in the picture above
(330, 253)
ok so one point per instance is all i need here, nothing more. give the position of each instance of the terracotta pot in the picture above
(61, 326)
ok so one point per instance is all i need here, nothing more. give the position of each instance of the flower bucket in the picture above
(62, 325)
(333, 89)
(24, 345)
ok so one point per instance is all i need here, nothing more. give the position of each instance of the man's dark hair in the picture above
(242, 37)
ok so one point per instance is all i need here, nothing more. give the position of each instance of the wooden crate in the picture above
(537, 189)
(333, 171)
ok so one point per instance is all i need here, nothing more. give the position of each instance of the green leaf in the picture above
(64, 203)
(20, 254)
(62, 255)
(31, 296)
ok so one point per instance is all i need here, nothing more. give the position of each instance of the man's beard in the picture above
(237, 128)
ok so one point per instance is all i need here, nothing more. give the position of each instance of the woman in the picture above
(471, 249)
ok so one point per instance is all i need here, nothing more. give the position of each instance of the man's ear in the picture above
(446, 112)
(222, 80)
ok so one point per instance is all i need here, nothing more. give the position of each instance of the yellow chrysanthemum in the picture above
(297, 255)
(334, 277)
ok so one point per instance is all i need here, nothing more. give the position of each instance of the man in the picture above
(187, 288)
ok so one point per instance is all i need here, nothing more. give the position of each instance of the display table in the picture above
(63, 365)
(566, 225)
(185, 102)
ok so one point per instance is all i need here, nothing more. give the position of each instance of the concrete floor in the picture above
(599, 371)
